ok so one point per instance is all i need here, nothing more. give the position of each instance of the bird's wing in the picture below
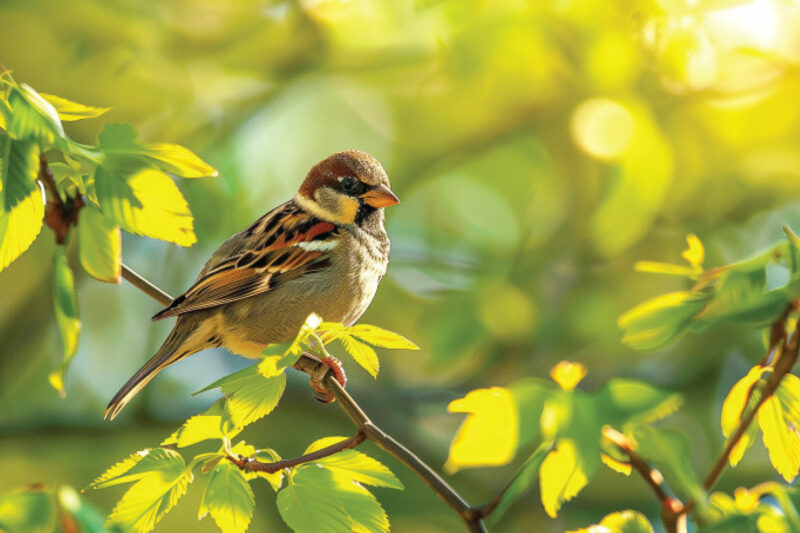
(284, 244)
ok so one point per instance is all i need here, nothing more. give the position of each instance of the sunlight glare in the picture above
(754, 23)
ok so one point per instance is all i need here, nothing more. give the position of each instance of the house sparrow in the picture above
(323, 251)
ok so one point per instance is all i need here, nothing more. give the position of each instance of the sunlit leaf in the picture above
(147, 202)
(366, 514)
(657, 323)
(361, 354)
(250, 397)
(568, 374)
(620, 522)
(354, 465)
(670, 451)
(780, 435)
(529, 395)
(100, 245)
(488, 437)
(523, 479)
(561, 476)
(67, 317)
(694, 254)
(617, 466)
(30, 511)
(69, 111)
(308, 502)
(21, 200)
(138, 465)
(380, 337)
(655, 267)
(33, 118)
(229, 498)
(199, 428)
(733, 409)
(178, 160)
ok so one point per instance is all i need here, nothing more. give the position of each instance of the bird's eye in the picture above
(351, 186)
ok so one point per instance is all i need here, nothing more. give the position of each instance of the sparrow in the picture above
(323, 251)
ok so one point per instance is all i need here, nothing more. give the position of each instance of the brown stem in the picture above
(253, 465)
(471, 516)
(59, 215)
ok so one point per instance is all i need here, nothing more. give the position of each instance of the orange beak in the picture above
(380, 196)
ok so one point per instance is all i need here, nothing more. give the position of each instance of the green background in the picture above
(539, 149)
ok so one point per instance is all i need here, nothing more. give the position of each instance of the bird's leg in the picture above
(316, 373)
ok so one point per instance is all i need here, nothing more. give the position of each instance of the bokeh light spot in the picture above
(602, 128)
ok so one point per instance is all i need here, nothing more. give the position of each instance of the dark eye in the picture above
(351, 186)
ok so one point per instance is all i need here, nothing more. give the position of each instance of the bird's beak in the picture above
(380, 196)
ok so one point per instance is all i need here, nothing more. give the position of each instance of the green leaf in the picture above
(308, 502)
(361, 354)
(739, 296)
(660, 321)
(620, 522)
(138, 465)
(380, 337)
(522, 480)
(21, 200)
(249, 398)
(32, 117)
(67, 317)
(144, 201)
(69, 111)
(627, 401)
(198, 428)
(489, 435)
(366, 514)
(354, 465)
(120, 140)
(30, 511)
(670, 451)
(529, 396)
(86, 518)
(100, 245)
(228, 498)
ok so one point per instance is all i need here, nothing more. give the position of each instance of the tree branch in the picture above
(253, 465)
(471, 516)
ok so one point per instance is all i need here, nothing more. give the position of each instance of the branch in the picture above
(59, 215)
(253, 465)
(786, 351)
(673, 511)
(471, 516)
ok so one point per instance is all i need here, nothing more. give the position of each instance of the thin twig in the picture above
(253, 465)
(145, 286)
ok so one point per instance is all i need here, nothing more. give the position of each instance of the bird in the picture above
(324, 251)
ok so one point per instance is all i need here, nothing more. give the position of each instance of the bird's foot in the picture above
(316, 373)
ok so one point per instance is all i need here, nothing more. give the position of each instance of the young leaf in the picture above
(489, 434)
(366, 514)
(621, 522)
(733, 408)
(354, 465)
(656, 267)
(380, 337)
(568, 374)
(21, 200)
(308, 505)
(361, 354)
(198, 428)
(627, 401)
(778, 422)
(250, 398)
(694, 254)
(32, 117)
(229, 498)
(660, 321)
(138, 465)
(178, 160)
(145, 201)
(522, 480)
(100, 245)
(69, 111)
(67, 318)
(561, 477)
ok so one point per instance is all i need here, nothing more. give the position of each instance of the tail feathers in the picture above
(173, 349)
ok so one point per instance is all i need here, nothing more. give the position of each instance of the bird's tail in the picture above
(176, 347)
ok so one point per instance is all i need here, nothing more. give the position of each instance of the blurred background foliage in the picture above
(539, 149)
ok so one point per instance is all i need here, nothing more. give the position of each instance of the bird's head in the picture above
(346, 188)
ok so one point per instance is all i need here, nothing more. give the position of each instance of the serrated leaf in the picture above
(620, 522)
(380, 337)
(366, 514)
(308, 502)
(150, 498)
(361, 354)
(67, 317)
(32, 117)
(229, 498)
(138, 465)
(198, 428)
(179, 160)
(489, 435)
(780, 436)
(670, 451)
(21, 200)
(733, 409)
(100, 245)
(249, 399)
(660, 321)
(68, 110)
(524, 477)
(145, 201)
(561, 476)
(354, 465)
